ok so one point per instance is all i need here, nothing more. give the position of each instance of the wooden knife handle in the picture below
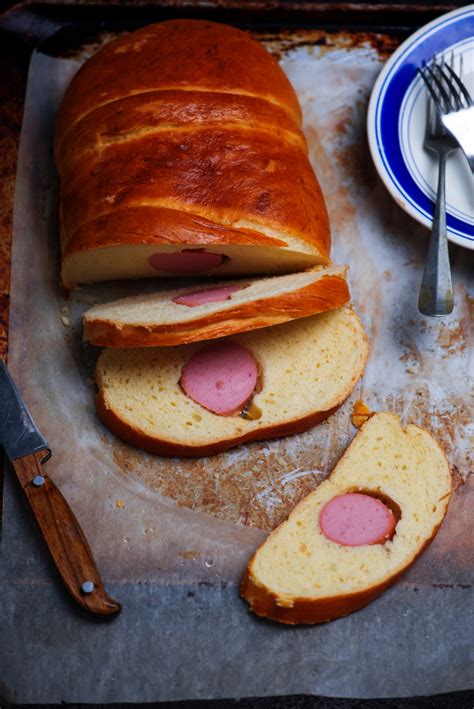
(64, 537)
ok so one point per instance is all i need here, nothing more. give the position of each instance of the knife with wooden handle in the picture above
(27, 451)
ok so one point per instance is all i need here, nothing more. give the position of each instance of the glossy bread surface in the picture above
(164, 141)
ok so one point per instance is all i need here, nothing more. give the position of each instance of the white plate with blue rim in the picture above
(396, 126)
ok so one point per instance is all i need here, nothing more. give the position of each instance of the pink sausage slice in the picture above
(187, 261)
(355, 519)
(208, 295)
(221, 377)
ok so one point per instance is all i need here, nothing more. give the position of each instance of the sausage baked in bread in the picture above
(201, 399)
(173, 160)
(206, 311)
(302, 575)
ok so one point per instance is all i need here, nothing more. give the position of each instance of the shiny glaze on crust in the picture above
(200, 138)
(189, 53)
(156, 111)
(229, 175)
(159, 225)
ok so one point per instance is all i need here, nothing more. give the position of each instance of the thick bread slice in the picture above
(164, 144)
(127, 255)
(155, 320)
(308, 367)
(300, 576)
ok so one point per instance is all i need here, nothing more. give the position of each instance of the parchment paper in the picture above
(176, 522)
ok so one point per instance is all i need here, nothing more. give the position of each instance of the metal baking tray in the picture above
(195, 640)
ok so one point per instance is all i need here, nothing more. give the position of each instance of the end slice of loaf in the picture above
(307, 367)
(155, 320)
(300, 576)
(165, 144)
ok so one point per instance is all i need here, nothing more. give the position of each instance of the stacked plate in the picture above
(397, 119)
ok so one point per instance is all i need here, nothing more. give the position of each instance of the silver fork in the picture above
(460, 119)
(456, 106)
(436, 292)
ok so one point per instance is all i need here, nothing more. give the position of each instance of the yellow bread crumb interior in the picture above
(158, 308)
(307, 366)
(131, 261)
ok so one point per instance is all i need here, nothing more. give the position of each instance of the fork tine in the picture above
(430, 108)
(440, 87)
(433, 94)
(460, 85)
(455, 96)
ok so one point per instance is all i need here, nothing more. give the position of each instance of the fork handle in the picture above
(436, 292)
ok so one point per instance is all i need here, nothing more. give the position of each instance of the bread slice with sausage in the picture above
(305, 369)
(206, 311)
(300, 575)
(173, 160)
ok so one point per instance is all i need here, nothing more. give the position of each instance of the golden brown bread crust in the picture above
(263, 602)
(158, 110)
(142, 440)
(200, 138)
(224, 175)
(177, 54)
(321, 295)
(160, 225)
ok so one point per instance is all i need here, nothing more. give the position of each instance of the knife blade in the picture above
(19, 434)
(27, 450)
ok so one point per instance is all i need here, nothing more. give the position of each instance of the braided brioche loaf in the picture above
(173, 159)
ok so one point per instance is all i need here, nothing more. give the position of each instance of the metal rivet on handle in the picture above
(38, 480)
(87, 587)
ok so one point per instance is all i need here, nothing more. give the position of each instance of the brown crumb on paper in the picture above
(360, 413)
(120, 503)
(457, 478)
(189, 554)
